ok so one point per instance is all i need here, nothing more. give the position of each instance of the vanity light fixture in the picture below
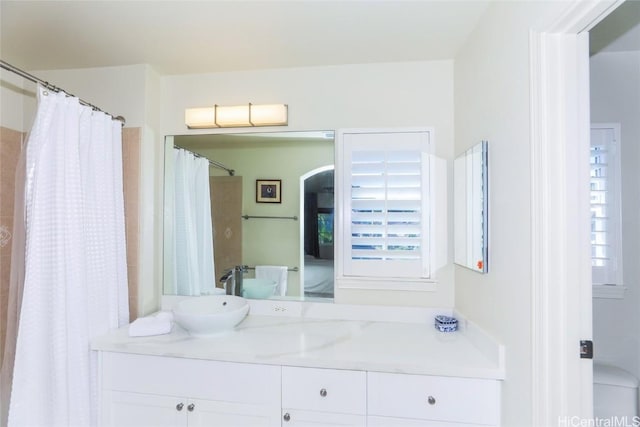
(220, 116)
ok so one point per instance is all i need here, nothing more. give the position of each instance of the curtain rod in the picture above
(288, 268)
(219, 165)
(31, 77)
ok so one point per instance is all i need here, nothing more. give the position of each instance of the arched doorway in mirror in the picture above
(316, 232)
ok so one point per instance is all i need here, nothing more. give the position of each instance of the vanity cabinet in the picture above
(327, 397)
(418, 400)
(164, 391)
(138, 390)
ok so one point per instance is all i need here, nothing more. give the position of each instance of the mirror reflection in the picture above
(245, 206)
(471, 198)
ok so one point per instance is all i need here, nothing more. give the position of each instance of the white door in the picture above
(561, 261)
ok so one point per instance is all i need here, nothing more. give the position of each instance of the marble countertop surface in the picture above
(380, 346)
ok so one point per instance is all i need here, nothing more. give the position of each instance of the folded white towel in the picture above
(159, 324)
(277, 273)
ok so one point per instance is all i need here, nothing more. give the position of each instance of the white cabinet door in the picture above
(205, 413)
(216, 393)
(297, 418)
(122, 409)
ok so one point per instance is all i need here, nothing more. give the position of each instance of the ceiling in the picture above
(620, 31)
(183, 37)
(187, 36)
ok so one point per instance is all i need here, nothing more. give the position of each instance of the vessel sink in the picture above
(210, 315)
(258, 288)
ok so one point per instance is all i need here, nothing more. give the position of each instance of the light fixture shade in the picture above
(236, 116)
(232, 116)
(200, 118)
(269, 115)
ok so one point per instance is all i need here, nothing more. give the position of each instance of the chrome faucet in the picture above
(235, 275)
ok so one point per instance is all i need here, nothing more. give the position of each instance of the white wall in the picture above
(492, 102)
(272, 242)
(15, 96)
(330, 98)
(117, 90)
(151, 171)
(615, 98)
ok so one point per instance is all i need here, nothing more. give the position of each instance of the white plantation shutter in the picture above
(387, 221)
(606, 232)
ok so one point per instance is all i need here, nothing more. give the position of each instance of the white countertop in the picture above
(397, 347)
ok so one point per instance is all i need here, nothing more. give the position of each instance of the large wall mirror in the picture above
(471, 203)
(269, 204)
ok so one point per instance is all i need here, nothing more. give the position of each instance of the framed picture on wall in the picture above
(268, 191)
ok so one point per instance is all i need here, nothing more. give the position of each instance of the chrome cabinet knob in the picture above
(431, 400)
(179, 406)
(286, 417)
(323, 392)
(191, 407)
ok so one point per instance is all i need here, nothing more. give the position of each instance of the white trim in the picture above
(583, 16)
(561, 265)
(342, 218)
(539, 271)
(388, 284)
(301, 218)
(559, 254)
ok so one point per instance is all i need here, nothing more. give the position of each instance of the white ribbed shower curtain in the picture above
(193, 235)
(75, 283)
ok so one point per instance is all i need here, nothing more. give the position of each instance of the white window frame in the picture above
(434, 237)
(601, 276)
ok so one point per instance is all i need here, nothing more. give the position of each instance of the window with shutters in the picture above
(386, 204)
(606, 230)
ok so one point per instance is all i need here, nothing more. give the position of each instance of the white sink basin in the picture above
(210, 315)
(258, 288)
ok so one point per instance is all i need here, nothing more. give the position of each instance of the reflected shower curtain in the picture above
(193, 235)
(75, 280)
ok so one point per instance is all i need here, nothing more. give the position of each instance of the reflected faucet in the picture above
(234, 275)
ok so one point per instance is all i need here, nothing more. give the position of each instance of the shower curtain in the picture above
(193, 234)
(75, 280)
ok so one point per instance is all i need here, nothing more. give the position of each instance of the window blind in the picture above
(386, 205)
(605, 206)
(388, 227)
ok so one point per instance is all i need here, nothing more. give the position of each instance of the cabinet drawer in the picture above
(411, 422)
(193, 378)
(325, 390)
(461, 400)
(301, 418)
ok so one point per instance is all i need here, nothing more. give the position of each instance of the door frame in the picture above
(302, 218)
(562, 383)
